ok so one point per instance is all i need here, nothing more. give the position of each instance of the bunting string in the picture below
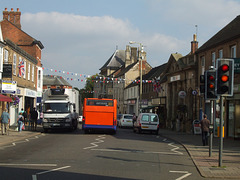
(99, 79)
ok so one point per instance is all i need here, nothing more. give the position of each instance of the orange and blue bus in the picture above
(99, 114)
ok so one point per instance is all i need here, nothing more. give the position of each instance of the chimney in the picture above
(194, 44)
(5, 14)
(12, 16)
(127, 56)
(17, 18)
(133, 55)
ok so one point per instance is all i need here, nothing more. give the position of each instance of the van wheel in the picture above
(156, 132)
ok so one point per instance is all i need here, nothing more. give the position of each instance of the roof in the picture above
(116, 61)
(34, 40)
(124, 70)
(158, 71)
(230, 31)
(54, 80)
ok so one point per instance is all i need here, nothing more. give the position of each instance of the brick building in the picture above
(224, 44)
(22, 59)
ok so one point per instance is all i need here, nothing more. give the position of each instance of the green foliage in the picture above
(87, 91)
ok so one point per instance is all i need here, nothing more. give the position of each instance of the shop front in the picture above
(233, 116)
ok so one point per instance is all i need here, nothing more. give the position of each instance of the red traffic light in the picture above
(225, 67)
(211, 86)
(211, 78)
(224, 78)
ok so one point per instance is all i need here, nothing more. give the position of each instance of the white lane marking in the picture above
(6, 164)
(186, 174)
(52, 170)
(134, 151)
(175, 148)
(18, 142)
(94, 144)
(34, 176)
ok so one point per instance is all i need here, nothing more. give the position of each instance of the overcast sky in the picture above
(79, 36)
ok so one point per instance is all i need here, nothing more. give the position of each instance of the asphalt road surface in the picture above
(74, 155)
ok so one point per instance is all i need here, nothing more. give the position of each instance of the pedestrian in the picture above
(24, 117)
(134, 118)
(74, 119)
(34, 116)
(205, 129)
(5, 121)
(20, 122)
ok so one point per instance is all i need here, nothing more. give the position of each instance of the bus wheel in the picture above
(45, 130)
(86, 131)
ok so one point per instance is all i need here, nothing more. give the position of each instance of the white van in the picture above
(146, 122)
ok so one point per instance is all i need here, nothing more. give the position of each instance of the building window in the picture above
(213, 58)
(5, 56)
(29, 67)
(1, 58)
(39, 79)
(25, 65)
(233, 51)
(202, 64)
(32, 73)
(220, 53)
(14, 64)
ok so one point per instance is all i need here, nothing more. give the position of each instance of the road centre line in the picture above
(34, 176)
(134, 151)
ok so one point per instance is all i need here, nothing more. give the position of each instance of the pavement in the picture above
(207, 166)
(14, 135)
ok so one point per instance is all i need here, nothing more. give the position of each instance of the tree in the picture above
(87, 91)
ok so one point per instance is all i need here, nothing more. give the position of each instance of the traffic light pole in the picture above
(211, 133)
(221, 132)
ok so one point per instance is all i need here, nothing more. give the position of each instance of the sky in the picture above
(79, 36)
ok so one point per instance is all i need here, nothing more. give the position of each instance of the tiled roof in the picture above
(230, 31)
(124, 70)
(116, 61)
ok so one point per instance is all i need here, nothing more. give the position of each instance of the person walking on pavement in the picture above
(20, 122)
(5, 121)
(34, 116)
(74, 119)
(205, 129)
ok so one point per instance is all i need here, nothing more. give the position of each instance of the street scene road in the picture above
(75, 155)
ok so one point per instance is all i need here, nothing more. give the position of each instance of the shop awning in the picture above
(5, 98)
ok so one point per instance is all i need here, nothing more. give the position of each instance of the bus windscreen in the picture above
(92, 102)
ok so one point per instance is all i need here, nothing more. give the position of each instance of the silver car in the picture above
(146, 122)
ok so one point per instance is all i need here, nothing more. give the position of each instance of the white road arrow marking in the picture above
(186, 174)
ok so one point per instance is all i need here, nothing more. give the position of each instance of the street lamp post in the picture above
(140, 58)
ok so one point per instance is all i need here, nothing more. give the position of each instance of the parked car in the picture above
(146, 122)
(126, 121)
(118, 118)
(80, 119)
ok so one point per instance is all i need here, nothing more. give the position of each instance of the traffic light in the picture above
(225, 77)
(210, 85)
(202, 84)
